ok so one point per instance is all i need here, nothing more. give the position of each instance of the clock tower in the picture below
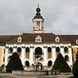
(38, 22)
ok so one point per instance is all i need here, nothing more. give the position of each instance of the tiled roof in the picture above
(46, 38)
(6, 38)
(30, 37)
(69, 38)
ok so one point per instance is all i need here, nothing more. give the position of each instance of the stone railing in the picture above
(30, 73)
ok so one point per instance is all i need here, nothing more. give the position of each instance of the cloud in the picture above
(61, 16)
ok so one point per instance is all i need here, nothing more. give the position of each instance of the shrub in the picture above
(60, 64)
(14, 63)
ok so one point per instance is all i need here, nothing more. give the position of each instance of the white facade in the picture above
(44, 53)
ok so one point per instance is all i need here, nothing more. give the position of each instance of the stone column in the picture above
(23, 55)
(70, 56)
(31, 55)
(6, 56)
(15, 49)
(62, 50)
(45, 55)
(53, 54)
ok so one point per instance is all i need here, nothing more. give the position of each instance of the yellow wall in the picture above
(1, 55)
(74, 50)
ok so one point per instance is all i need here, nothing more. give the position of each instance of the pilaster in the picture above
(6, 56)
(54, 54)
(23, 55)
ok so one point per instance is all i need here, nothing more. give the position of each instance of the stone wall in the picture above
(30, 73)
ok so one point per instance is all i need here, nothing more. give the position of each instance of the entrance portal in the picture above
(37, 58)
(38, 52)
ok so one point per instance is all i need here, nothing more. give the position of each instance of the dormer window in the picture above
(77, 41)
(57, 39)
(19, 39)
(38, 39)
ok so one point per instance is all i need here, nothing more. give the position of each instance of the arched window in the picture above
(27, 63)
(38, 52)
(65, 49)
(57, 39)
(10, 50)
(49, 63)
(49, 49)
(49, 52)
(57, 49)
(19, 39)
(19, 49)
(9, 58)
(38, 39)
(67, 58)
(27, 52)
(27, 49)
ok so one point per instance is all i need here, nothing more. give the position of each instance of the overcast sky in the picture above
(61, 16)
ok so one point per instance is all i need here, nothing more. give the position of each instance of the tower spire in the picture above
(38, 10)
(38, 5)
(38, 21)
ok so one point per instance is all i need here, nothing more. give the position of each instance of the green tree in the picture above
(75, 67)
(60, 64)
(14, 63)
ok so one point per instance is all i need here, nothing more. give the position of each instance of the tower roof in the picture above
(38, 14)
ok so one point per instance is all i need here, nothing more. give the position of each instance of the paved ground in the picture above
(16, 76)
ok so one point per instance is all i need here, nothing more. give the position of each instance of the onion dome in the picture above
(38, 14)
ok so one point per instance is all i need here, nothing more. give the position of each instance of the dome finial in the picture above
(38, 9)
(38, 14)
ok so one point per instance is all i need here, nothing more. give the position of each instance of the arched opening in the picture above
(67, 58)
(49, 63)
(49, 49)
(10, 50)
(27, 49)
(27, 52)
(57, 49)
(49, 52)
(27, 63)
(38, 52)
(19, 49)
(65, 49)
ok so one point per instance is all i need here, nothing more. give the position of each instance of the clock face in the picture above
(37, 27)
